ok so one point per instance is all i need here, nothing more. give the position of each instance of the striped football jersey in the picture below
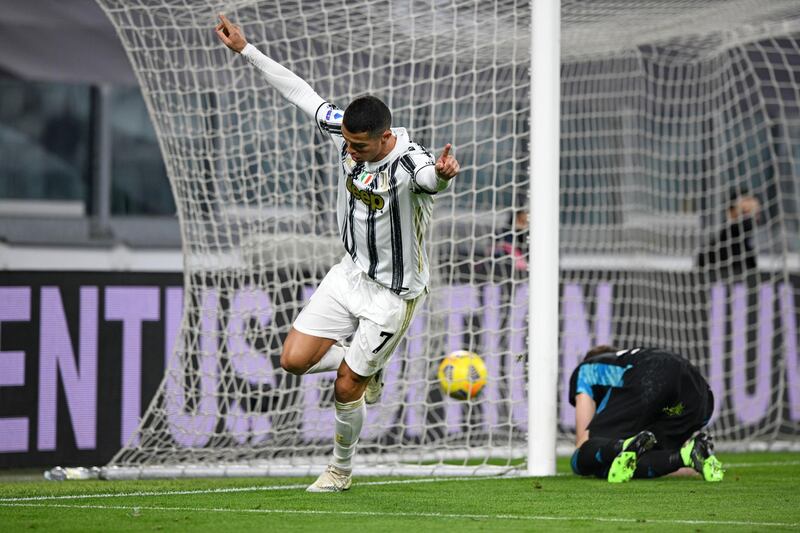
(383, 213)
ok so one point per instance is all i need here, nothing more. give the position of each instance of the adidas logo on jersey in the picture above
(365, 196)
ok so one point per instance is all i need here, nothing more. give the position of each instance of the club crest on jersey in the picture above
(383, 180)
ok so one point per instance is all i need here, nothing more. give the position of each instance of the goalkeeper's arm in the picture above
(291, 86)
(584, 412)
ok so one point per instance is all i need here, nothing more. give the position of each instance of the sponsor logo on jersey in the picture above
(365, 196)
(675, 410)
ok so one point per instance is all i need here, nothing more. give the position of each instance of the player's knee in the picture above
(292, 361)
(349, 386)
(289, 365)
(574, 463)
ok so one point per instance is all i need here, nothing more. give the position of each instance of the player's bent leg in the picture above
(624, 465)
(330, 360)
(350, 413)
(658, 463)
(377, 336)
(302, 352)
(374, 388)
(349, 386)
(594, 456)
(698, 453)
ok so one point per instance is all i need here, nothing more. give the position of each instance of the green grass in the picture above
(761, 492)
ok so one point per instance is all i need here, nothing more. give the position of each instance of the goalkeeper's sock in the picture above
(595, 456)
(331, 360)
(349, 419)
(657, 463)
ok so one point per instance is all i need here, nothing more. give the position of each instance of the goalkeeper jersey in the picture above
(383, 207)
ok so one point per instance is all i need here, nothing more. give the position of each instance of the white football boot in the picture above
(332, 479)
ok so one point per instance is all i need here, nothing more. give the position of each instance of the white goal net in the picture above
(671, 110)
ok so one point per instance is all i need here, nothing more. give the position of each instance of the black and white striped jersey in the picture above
(384, 209)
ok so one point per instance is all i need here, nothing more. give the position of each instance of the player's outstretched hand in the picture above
(230, 34)
(446, 166)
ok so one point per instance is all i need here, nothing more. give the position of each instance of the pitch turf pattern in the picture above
(761, 492)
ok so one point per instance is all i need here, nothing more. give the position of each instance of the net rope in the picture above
(668, 107)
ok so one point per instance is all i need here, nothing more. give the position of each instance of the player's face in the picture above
(364, 147)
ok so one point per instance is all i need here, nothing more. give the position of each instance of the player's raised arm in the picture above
(291, 86)
(432, 177)
(230, 34)
(446, 166)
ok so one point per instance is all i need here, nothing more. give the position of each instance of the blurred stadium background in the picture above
(90, 244)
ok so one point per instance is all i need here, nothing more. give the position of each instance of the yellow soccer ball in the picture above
(462, 375)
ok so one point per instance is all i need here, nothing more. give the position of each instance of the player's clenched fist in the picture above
(230, 34)
(446, 166)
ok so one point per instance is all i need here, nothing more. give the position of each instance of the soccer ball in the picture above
(462, 375)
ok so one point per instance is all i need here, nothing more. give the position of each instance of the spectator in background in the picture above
(513, 242)
(510, 252)
(732, 252)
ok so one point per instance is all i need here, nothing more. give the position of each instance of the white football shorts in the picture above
(348, 302)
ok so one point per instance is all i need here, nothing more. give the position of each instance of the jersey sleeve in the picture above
(421, 167)
(580, 383)
(290, 85)
(584, 385)
(329, 122)
(573, 385)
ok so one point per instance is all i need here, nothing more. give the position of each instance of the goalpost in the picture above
(667, 107)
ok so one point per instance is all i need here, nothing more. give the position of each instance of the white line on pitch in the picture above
(222, 490)
(257, 488)
(768, 463)
(448, 516)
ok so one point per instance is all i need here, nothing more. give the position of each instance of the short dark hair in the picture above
(367, 113)
(600, 350)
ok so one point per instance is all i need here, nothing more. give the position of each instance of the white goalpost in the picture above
(543, 207)
(666, 114)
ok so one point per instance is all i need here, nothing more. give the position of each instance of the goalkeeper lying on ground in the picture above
(635, 413)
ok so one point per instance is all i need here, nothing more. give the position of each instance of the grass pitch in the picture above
(761, 492)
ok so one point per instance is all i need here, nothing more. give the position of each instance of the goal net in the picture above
(669, 110)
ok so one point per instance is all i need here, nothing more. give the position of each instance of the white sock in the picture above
(331, 360)
(349, 419)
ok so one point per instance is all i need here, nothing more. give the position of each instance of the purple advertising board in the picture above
(82, 354)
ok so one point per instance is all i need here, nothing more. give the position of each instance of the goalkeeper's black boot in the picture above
(698, 453)
(624, 464)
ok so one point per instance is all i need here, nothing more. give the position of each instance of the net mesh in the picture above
(671, 111)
